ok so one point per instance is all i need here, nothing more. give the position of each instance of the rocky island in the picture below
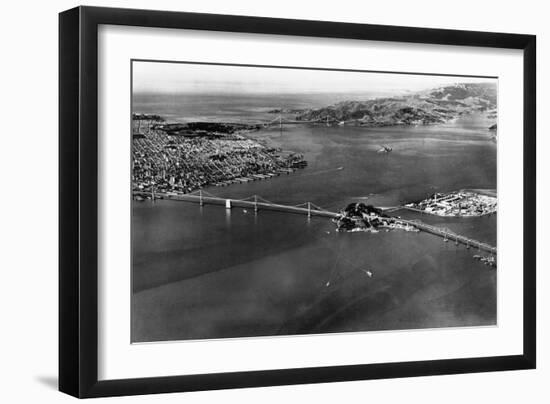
(367, 218)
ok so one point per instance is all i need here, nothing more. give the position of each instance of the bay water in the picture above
(207, 272)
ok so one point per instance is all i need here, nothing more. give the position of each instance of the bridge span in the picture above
(310, 209)
(450, 236)
(279, 121)
(254, 202)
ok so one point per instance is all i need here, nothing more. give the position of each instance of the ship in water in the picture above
(385, 149)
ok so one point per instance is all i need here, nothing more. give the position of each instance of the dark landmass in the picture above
(286, 111)
(192, 129)
(359, 215)
(423, 108)
(147, 117)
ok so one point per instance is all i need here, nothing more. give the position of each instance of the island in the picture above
(463, 203)
(367, 218)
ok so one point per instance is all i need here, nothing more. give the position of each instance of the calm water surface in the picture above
(212, 273)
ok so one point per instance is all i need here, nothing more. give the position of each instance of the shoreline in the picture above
(436, 215)
(181, 158)
(462, 203)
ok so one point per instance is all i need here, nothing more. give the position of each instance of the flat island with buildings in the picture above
(183, 157)
(463, 203)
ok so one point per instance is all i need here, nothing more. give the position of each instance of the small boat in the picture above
(368, 273)
(385, 149)
(245, 211)
(327, 284)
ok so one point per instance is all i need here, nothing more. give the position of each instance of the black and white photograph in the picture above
(273, 200)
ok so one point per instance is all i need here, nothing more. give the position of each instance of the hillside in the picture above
(427, 107)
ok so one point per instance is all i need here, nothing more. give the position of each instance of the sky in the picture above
(161, 77)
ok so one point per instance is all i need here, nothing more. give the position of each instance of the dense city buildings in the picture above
(181, 158)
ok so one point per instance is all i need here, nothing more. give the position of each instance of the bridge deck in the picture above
(457, 238)
(213, 200)
(247, 204)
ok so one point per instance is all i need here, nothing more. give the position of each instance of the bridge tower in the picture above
(255, 203)
(309, 210)
(200, 198)
(153, 192)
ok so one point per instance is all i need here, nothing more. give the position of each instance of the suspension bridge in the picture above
(256, 203)
(279, 120)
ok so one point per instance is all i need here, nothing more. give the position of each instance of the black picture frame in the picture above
(78, 201)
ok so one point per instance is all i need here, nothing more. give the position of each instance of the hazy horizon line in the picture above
(232, 92)
(204, 78)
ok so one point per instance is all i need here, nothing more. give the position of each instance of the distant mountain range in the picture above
(423, 108)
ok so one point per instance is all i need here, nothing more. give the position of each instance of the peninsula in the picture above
(434, 106)
(182, 157)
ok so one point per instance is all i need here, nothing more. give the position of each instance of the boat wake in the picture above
(364, 197)
(325, 171)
